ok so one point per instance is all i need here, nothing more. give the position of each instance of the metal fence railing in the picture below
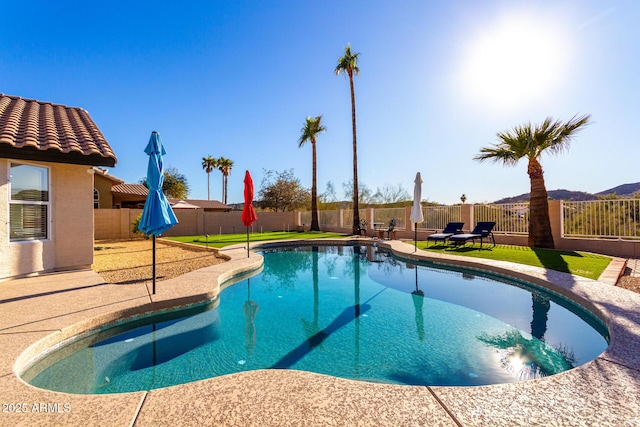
(609, 219)
(347, 217)
(329, 218)
(613, 219)
(510, 218)
(325, 218)
(305, 218)
(383, 217)
(437, 217)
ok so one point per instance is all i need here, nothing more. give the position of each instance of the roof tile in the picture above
(44, 126)
(208, 204)
(132, 189)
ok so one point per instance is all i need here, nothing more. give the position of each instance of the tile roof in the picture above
(132, 189)
(36, 130)
(208, 204)
(141, 190)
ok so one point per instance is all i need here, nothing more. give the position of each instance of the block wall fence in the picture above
(116, 224)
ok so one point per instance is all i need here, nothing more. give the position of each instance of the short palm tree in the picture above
(348, 64)
(530, 142)
(312, 127)
(224, 166)
(208, 164)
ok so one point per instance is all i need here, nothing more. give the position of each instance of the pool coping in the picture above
(601, 392)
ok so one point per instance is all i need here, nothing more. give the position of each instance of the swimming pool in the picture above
(352, 312)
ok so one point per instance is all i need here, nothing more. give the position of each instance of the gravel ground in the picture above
(125, 262)
(129, 261)
(631, 277)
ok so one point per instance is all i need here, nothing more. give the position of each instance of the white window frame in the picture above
(46, 203)
(96, 200)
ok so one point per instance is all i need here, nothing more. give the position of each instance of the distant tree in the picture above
(391, 194)
(329, 194)
(348, 64)
(175, 184)
(312, 127)
(609, 196)
(365, 195)
(282, 191)
(530, 142)
(208, 164)
(225, 165)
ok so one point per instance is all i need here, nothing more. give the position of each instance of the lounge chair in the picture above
(483, 230)
(451, 229)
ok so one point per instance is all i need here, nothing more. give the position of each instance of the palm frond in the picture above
(531, 141)
(312, 127)
(209, 163)
(498, 153)
(225, 165)
(348, 63)
(565, 133)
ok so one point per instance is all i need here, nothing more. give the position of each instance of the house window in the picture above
(96, 199)
(29, 206)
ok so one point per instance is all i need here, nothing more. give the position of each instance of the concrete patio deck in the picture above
(41, 311)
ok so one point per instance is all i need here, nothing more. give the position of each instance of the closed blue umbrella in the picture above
(157, 216)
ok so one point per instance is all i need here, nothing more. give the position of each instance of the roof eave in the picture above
(55, 156)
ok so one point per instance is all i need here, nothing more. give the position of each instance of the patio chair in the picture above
(451, 229)
(482, 230)
(392, 225)
(362, 227)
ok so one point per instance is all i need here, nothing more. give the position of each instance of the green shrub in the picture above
(135, 224)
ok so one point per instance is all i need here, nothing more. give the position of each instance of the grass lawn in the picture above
(222, 240)
(578, 263)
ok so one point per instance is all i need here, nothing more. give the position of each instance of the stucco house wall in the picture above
(70, 242)
(103, 186)
(72, 228)
(5, 257)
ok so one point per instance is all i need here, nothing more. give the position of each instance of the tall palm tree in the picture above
(312, 127)
(530, 142)
(224, 166)
(208, 164)
(348, 64)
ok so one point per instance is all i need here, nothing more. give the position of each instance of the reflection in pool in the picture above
(351, 312)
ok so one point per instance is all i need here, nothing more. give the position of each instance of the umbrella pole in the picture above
(415, 236)
(247, 241)
(153, 274)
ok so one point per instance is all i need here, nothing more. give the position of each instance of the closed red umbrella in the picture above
(248, 213)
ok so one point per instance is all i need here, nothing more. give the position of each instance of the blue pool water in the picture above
(350, 312)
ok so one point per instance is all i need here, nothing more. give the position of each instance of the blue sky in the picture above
(437, 81)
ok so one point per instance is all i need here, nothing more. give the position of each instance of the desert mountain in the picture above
(623, 191)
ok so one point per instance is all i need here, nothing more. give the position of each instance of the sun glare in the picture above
(515, 62)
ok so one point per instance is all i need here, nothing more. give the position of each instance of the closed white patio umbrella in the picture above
(416, 209)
